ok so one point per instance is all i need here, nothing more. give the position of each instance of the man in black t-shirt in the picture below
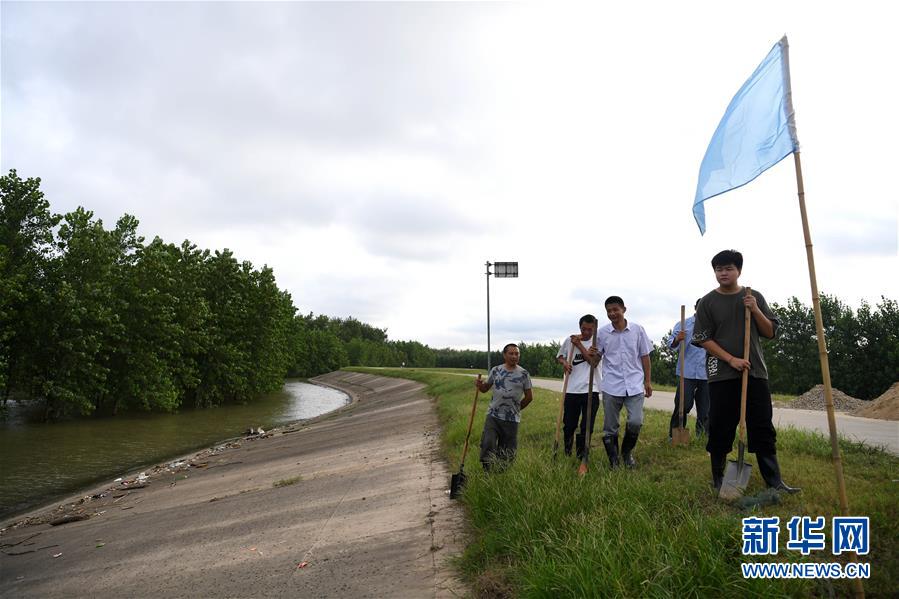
(719, 329)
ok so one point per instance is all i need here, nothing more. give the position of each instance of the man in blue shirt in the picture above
(626, 380)
(696, 381)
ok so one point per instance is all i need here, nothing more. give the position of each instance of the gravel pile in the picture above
(813, 399)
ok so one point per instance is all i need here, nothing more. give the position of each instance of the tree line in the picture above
(863, 348)
(96, 320)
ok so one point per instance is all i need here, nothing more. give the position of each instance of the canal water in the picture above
(41, 462)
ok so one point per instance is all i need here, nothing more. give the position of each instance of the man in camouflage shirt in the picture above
(511, 394)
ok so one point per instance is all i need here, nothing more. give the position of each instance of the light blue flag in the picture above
(757, 131)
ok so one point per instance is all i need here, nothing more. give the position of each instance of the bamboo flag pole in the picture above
(858, 588)
(761, 116)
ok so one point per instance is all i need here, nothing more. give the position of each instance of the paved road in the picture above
(870, 431)
(369, 516)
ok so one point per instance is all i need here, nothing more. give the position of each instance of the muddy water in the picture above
(41, 462)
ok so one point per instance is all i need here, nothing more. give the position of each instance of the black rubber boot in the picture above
(719, 461)
(627, 447)
(770, 471)
(611, 444)
(579, 442)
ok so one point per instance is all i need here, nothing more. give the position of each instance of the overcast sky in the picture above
(377, 154)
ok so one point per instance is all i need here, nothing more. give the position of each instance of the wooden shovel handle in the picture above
(562, 401)
(474, 407)
(747, 321)
(582, 470)
(683, 358)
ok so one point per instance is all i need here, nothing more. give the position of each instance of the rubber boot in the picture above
(580, 442)
(770, 471)
(611, 444)
(627, 447)
(719, 461)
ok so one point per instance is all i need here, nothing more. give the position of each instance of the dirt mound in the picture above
(813, 399)
(885, 407)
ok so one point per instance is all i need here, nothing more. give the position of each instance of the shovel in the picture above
(458, 480)
(562, 405)
(681, 434)
(582, 469)
(736, 476)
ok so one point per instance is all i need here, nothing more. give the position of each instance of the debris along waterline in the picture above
(89, 451)
(123, 488)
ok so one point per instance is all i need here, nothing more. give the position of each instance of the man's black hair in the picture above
(508, 345)
(727, 257)
(588, 318)
(696, 305)
(614, 299)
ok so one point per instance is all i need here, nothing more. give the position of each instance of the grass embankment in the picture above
(776, 397)
(540, 531)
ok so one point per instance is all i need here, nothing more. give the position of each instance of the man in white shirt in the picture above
(577, 392)
(625, 348)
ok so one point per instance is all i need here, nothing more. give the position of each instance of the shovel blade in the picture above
(680, 436)
(735, 480)
(456, 484)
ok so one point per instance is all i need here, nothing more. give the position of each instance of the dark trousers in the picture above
(499, 441)
(576, 409)
(694, 390)
(724, 417)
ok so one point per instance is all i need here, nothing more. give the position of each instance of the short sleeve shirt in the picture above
(508, 389)
(622, 353)
(694, 367)
(579, 379)
(721, 318)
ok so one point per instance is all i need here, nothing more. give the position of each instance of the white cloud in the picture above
(376, 154)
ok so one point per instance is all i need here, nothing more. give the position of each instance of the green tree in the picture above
(82, 327)
(224, 366)
(191, 316)
(878, 348)
(863, 349)
(663, 362)
(26, 251)
(144, 367)
(316, 351)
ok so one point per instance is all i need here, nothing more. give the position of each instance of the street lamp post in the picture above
(504, 270)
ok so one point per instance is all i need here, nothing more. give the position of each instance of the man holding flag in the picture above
(757, 131)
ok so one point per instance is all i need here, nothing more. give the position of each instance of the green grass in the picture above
(540, 531)
(474, 371)
(780, 397)
(777, 397)
(286, 482)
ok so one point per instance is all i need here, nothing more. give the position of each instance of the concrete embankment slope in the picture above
(368, 517)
